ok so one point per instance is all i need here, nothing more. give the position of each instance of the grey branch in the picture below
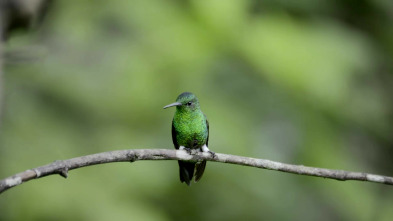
(62, 167)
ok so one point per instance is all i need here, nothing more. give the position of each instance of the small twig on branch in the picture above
(63, 166)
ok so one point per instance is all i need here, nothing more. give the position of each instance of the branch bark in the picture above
(63, 166)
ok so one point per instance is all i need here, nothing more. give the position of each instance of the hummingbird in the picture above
(190, 130)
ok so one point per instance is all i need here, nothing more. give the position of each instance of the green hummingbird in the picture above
(190, 130)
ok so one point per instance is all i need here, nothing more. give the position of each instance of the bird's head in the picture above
(185, 102)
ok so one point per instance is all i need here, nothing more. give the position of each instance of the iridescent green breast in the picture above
(191, 129)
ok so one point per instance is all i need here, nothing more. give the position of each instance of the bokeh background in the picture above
(302, 82)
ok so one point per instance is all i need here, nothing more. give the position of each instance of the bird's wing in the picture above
(207, 124)
(200, 167)
(174, 137)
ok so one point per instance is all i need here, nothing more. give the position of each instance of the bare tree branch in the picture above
(63, 166)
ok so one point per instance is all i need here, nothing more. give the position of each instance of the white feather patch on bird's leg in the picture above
(206, 150)
(186, 149)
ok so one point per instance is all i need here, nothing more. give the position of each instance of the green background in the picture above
(302, 82)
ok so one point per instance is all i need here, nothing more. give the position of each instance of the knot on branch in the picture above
(132, 157)
(62, 168)
(64, 172)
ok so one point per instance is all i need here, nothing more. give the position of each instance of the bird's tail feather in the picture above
(186, 171)
(200, 168)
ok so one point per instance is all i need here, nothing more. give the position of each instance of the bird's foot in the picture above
(205, 149)
(213, 154)
(188, 150)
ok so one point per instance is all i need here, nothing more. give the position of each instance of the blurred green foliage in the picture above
(303, 82)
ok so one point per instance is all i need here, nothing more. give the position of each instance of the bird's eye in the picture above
(189, 103)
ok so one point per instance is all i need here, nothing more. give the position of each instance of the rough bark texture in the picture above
(63, 166)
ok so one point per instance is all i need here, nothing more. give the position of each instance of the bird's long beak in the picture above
(173, 104)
